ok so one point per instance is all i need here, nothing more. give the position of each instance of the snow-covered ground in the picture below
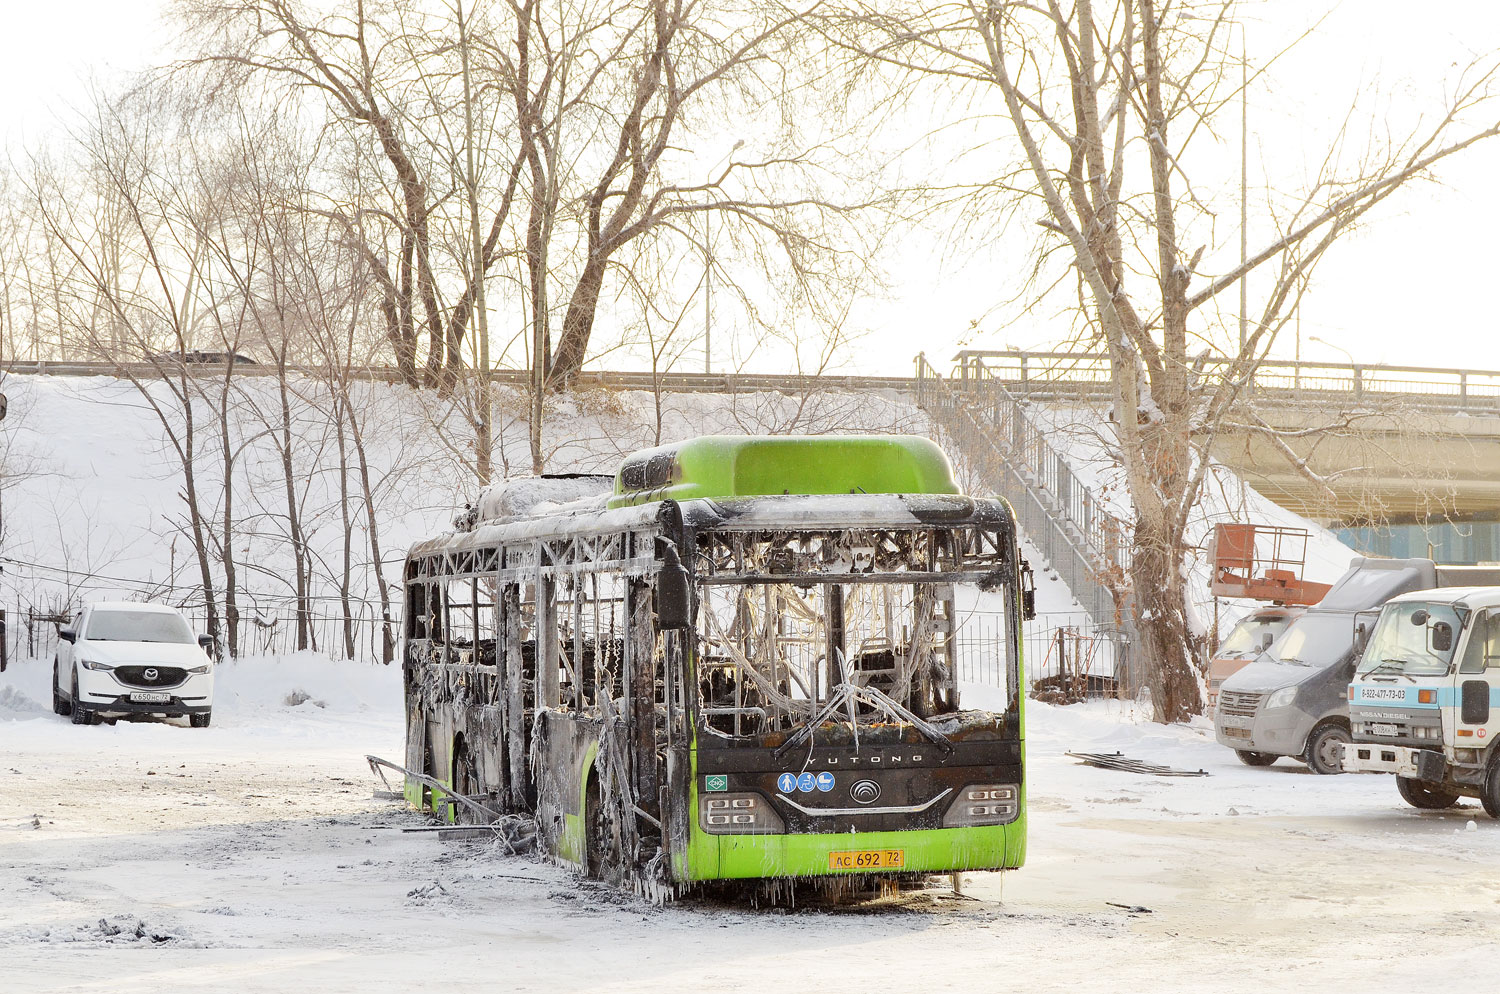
(251, 856)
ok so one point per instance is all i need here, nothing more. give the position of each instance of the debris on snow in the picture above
(1119, 761)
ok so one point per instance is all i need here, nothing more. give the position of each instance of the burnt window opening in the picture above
(787, 620)
(592, 625)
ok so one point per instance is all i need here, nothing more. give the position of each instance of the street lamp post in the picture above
(1244, 166)
(708, 267)
(1244, 156)
(1340, 348)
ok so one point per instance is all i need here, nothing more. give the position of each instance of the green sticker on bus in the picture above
(716, 781)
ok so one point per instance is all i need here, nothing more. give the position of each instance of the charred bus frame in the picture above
(741, 687)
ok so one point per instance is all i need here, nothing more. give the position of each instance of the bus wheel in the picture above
(1426, 796)
(1325, 752)
(465, 780)
(1256, 758)
(601, 859)
(1489, 790)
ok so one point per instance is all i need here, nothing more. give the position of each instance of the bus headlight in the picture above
(738, 814)
(984, 804)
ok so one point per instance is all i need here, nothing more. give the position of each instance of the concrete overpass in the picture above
(1396, 443)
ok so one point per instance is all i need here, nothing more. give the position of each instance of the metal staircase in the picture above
(1061, 517)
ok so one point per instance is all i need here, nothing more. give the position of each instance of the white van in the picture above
(121, 657)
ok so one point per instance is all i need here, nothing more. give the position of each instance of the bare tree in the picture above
(1105, 102)
(126, 149)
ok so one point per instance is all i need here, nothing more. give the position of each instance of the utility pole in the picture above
(1244, 155)
(484, 428)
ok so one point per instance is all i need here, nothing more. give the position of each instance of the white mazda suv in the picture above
(122, 658)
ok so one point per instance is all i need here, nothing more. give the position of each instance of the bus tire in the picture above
(1256, 758)
(601, 856)
(1489, 789)
(1324, 754)
(465, 780)
(1427, 796)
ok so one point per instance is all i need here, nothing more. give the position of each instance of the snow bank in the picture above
(308, 680)
(246, 690)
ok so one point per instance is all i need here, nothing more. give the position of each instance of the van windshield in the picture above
(1407, 640)
(1314, 640)
(1247, 638)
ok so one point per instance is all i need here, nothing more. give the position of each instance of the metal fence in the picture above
(31, 632)
(1053, 646)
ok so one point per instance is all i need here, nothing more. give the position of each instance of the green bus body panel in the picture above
(936, 850)
(724, 466)
(572, 842)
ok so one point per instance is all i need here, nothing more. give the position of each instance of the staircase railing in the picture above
(1084, 542)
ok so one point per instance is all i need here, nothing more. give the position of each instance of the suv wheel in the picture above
(1256, 758)
(81, 715)
(60, 705)
(1325, 752)
(201, 719)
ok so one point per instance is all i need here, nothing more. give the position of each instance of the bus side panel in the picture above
(562, 759)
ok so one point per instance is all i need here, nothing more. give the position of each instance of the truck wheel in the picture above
(1256, 758)
(1325, 752)
(1489, 790)
(1428, 797)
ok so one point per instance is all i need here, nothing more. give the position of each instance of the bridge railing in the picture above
(1085, 376)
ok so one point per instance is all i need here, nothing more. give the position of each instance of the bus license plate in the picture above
(139, 697)
(867, 859)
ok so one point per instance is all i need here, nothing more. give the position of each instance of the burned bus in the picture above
(737, 659)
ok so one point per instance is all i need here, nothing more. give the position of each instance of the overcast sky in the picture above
(1413, 288)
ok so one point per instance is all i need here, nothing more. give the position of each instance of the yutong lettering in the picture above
(891, 760)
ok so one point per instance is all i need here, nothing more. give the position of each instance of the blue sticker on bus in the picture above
(825, 781)
(807, 783)
(786, 783)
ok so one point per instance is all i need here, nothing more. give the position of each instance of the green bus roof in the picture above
(754, 466)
